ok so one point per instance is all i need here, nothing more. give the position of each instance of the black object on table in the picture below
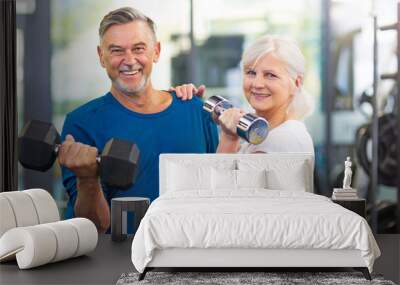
(119, 208)
(357, 205)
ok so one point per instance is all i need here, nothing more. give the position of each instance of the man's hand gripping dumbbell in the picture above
(39, 145)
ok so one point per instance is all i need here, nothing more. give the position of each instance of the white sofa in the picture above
(31, 231)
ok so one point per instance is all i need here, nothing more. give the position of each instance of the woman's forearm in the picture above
(228, 144)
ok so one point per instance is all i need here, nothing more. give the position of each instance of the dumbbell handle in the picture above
(121, 178)
(252, 128)
(58, 146)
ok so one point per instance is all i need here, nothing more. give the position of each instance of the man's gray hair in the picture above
(123, 16)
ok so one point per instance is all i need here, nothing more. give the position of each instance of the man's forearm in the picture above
(90, 203)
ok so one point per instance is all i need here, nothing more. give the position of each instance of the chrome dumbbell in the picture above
(252, 128)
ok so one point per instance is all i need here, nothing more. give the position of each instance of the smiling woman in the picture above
(273, 73)
(275, 66)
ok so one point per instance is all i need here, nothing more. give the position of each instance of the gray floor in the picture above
(389, 262)
(102, 266)
(106, 264)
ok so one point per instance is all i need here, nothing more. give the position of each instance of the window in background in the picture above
(20, 89)
(222, 33)
(353, 72)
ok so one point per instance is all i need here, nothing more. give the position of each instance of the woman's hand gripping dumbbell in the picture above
(233, 121)
(39, 145)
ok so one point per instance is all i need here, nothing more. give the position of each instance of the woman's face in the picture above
(267, 86)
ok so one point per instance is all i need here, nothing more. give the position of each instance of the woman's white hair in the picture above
(288, 52)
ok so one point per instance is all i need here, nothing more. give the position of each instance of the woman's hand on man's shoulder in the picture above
(186, 91)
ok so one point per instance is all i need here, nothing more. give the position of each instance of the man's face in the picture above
(127, 52)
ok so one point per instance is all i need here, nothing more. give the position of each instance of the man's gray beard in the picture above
(130, 91)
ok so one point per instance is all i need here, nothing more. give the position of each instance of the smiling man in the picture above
(157, 121)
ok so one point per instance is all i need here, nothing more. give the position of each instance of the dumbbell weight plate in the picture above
(36, 145)
(387, 164)
(254, 128)
(119, 163)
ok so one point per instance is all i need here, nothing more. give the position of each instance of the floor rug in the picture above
(243, 278)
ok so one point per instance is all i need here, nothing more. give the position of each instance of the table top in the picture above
(130, 199)
(104, 265)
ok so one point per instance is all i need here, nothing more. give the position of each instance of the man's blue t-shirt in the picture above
(183, 127)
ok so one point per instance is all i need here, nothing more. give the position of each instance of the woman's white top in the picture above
(290, 136)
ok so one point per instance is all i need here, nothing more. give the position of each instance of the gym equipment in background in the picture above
(387, 167)
(215, 58)
(40, 142)
(252, 128)
(387, 160)
(386, 212)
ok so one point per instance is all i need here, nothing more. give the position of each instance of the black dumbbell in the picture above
(38, 146)
(252, 128)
